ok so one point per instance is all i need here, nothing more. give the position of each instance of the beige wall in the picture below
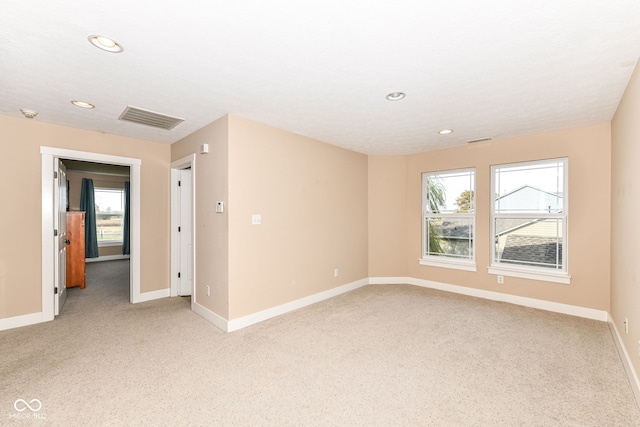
(313, 200)
(211, 228)
(625, 227)
(20, 217)
(101, 181)
(322, 208)
(588, 150)
(387, 216)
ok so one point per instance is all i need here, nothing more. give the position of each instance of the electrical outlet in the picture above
(626, 325)
(501, 280)
(336, 272)
(208, 290)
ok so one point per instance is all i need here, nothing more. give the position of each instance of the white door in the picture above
(60, 227)
(185, 226)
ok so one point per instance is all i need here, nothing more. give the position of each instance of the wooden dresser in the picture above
(75, 250)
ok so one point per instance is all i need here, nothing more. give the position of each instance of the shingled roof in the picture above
(532, 250)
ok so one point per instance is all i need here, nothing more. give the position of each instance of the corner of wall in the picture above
(387, 215)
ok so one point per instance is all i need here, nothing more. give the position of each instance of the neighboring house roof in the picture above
(532, 250)
(529, 199)
(529, 241)
(454, 230)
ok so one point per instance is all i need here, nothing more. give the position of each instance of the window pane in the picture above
(449, 237)
(450, 192)
(532, 242)
(109, 215)
(534, 188)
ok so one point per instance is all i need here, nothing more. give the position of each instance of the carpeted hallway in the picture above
(378, 356)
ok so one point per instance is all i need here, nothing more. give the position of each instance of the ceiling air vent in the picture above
(473, 141)
(149, 118)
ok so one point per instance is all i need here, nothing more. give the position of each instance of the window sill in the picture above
(449, 263)
(105, 244)
(523, 273)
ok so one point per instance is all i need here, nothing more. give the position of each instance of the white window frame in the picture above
(532, 272)
(106, 243)
(445, 261)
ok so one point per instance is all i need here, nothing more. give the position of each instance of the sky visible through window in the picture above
(547, 177)
(454, 184)
(108, 200)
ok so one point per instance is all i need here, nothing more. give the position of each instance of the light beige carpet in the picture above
(378, 356)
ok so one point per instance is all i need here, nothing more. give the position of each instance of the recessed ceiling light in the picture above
(396, 96)
(82, 104)
(445, 132)
(105, 43)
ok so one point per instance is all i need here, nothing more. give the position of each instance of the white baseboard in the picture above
(390, 280)
(588, 313)
(23, 320)
(212, 317)
(626, 361)
(242, 322)
(107, 258)
(33, 318)
(148, 296)
(251, 319)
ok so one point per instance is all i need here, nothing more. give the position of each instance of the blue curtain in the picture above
(126, 239)
(88, 205)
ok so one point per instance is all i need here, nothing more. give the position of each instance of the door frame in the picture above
(48, 157)
(183, 163)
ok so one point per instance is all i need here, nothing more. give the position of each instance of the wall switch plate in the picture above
(256, 219)
(219, 207)
(626, 325)
(336, 272)
(208, 290)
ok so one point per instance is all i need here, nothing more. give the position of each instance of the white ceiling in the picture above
(491, 68)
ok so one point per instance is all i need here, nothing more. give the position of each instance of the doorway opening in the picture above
(105, 262)
(182, 227)
(50, 158)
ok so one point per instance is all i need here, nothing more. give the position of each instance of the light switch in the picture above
(256, 219)
(219, 207)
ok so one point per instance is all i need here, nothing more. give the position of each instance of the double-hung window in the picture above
(448, 206)
(529, 220)
(109, 215)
